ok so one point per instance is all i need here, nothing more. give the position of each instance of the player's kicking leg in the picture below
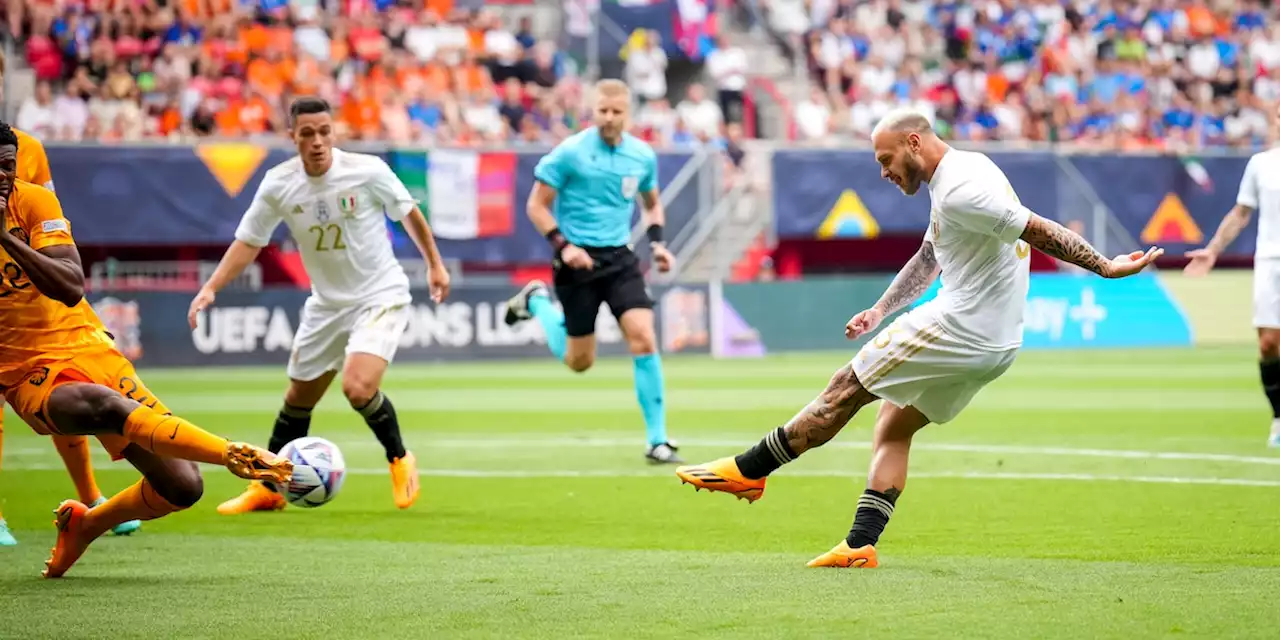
(75, 455)
(744, 475)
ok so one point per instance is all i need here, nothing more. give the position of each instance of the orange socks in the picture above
(173, 437)
(138, 502)
(75, 454)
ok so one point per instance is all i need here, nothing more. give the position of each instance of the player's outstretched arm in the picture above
(1064, 244)
(238, 256)
(1202, 260)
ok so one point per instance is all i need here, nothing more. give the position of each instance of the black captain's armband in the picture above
(557, 241)
(654, 232)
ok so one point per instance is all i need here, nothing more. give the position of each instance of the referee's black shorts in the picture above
(616, 280)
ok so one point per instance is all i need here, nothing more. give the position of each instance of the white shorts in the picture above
(1266, 294)
(327, 334)
(915, 362)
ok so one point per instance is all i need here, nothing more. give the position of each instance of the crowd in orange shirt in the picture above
(404, 72)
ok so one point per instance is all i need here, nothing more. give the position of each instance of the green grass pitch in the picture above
(1099, 495)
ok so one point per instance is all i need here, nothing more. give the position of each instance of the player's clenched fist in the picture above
(863, 323)
(576, 257)
(662, 257)
(200, 303)
(438, 280)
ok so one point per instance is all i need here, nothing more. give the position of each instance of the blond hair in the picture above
(612, 88)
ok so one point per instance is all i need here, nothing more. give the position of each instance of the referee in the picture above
(591, 181)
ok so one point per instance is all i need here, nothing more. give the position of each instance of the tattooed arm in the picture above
(914, 278)
(1067, 245)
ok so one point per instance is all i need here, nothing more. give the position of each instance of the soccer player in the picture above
(61, 373)
(929, 363)
(592, 180)
(333, 203)
(1266, 268)
(33, 167)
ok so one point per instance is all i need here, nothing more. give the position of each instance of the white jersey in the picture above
(337, 222)
(1263, 197)
(974, 225)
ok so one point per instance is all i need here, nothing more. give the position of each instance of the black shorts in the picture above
(616, 280)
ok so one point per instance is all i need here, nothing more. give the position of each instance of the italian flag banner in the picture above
(465, 194)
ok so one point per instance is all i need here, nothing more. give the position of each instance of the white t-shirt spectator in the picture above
(702, 117)
(728, 66)
(70, 114)
(503, 46)
(422, 40)
(789, 16)
(864, 115)
(312, 39)
(1265, 51)
(813, 119)
(834, 50)
(1203, 61)
(647, 72)
(877, 79)
(36, 119)
(483, 118)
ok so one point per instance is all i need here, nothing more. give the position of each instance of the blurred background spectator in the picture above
(1100, 74)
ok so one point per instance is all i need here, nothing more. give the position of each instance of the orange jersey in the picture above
(36, 329)
(33, 164)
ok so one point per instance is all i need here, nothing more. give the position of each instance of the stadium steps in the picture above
(733, 235)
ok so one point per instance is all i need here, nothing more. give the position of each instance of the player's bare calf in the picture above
(815, 425)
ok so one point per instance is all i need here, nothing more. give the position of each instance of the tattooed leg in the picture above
(895, 427)
(827, 414)
(816, 424)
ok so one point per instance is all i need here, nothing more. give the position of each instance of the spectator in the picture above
(698, 114)
(646, 70)
(70, 114)
(813, 116)
(37, 115)
(727, 65)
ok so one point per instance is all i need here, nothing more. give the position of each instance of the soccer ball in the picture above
(318, 470)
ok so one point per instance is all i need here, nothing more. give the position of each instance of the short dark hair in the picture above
(7, 136)
(307, 105)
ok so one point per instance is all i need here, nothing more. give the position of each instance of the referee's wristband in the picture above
(557, 241)
(654, 232)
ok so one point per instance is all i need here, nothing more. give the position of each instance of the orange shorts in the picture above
(30, 397)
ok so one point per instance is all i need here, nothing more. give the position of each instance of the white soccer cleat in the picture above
(518, 305)
(1274, 440)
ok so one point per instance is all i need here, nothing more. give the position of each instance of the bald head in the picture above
(903, 121)
(906, 148)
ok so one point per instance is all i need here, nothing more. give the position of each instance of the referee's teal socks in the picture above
(552, 321)
(649, 392)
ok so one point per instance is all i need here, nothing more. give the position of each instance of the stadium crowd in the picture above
(1106, 74)
(401, 72)
(1127, 74)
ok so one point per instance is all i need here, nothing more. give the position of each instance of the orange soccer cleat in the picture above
(72, 538)
(722, 475)
(256, 498)
(254, 463)
(404, 480)
(844, 556)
